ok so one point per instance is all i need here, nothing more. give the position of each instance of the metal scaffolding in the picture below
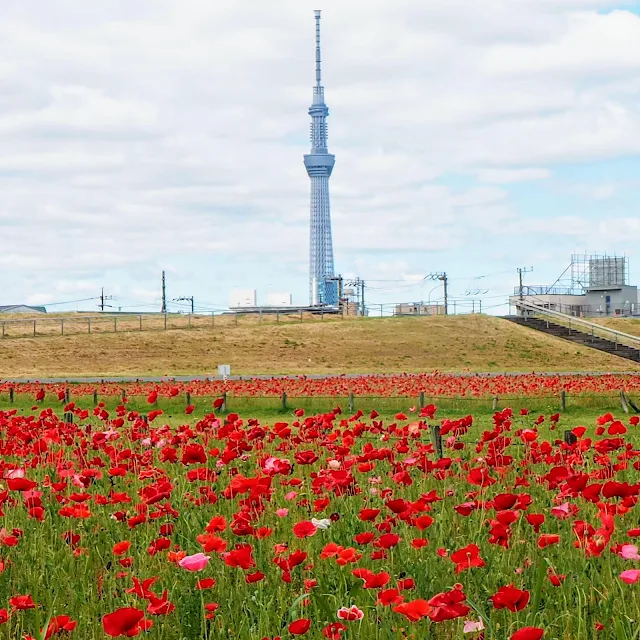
(596, 271)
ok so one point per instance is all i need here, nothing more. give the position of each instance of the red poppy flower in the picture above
(547, 539)
(536, 520)
(334, 630)
(528, 633)
(510, 598)
(22, 602)
(123, 622)
(414, 610)
(300, 627)
(120, 548)
(304, 529)
(205, 583)
(60, 624)
(467, 557)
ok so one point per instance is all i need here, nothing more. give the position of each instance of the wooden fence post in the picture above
(3, 328)
(421, 402)
(188, 398)
(68, 415)
(623, 402)
(165, 321)
(189, 321)
(436, 436)
(34, 327)
(115, 325)
(11, 395)
(224, 402)
(563, 400)
(140, 321)
(236, 318)
(284, 400)
(61, 326)
(95, 397)
(570, 437)
(494, 405)
(88, 325)
(352, 404)
(123, 396)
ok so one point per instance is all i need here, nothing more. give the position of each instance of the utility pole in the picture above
(442, 276)
(103, 298)
(164, 295)
(445, 282)
(359, 285)
(521, 272)
(186, 299)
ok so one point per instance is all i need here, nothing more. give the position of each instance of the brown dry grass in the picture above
(626, 325)
(453, 343)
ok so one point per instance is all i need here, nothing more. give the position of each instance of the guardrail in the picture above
(579, 324)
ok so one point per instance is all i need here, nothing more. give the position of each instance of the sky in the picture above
(471, 137)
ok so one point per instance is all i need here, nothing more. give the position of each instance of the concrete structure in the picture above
(243, 298)
(598, 288)
(419, 309)
(319, 164)
(21, 308)
(279, 300)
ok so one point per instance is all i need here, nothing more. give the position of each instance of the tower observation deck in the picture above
(323, 289)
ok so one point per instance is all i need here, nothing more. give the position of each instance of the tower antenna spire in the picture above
(318, 55)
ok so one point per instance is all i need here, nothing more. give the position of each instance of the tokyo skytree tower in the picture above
(323, 290)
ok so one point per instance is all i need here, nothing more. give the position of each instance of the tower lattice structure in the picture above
(323, 289)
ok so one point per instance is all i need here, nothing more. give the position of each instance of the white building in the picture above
(243, 298)
(279, 300)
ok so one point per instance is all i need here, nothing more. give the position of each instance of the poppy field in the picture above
(119, 520)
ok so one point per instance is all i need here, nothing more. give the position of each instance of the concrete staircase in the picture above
(579, 336)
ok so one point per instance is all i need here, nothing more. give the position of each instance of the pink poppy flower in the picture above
(196, 562)
(630, 576)
(471, 626)
(629, 552)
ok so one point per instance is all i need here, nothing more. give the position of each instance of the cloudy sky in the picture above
(471, 137)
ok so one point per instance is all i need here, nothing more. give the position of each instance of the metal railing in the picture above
(579, 324)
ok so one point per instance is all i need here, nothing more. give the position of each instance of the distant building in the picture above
(21, 308)
(419, 309)
(279, 300)
(599, 288)
(243, 298)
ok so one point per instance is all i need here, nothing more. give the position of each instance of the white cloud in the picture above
(505, 176)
